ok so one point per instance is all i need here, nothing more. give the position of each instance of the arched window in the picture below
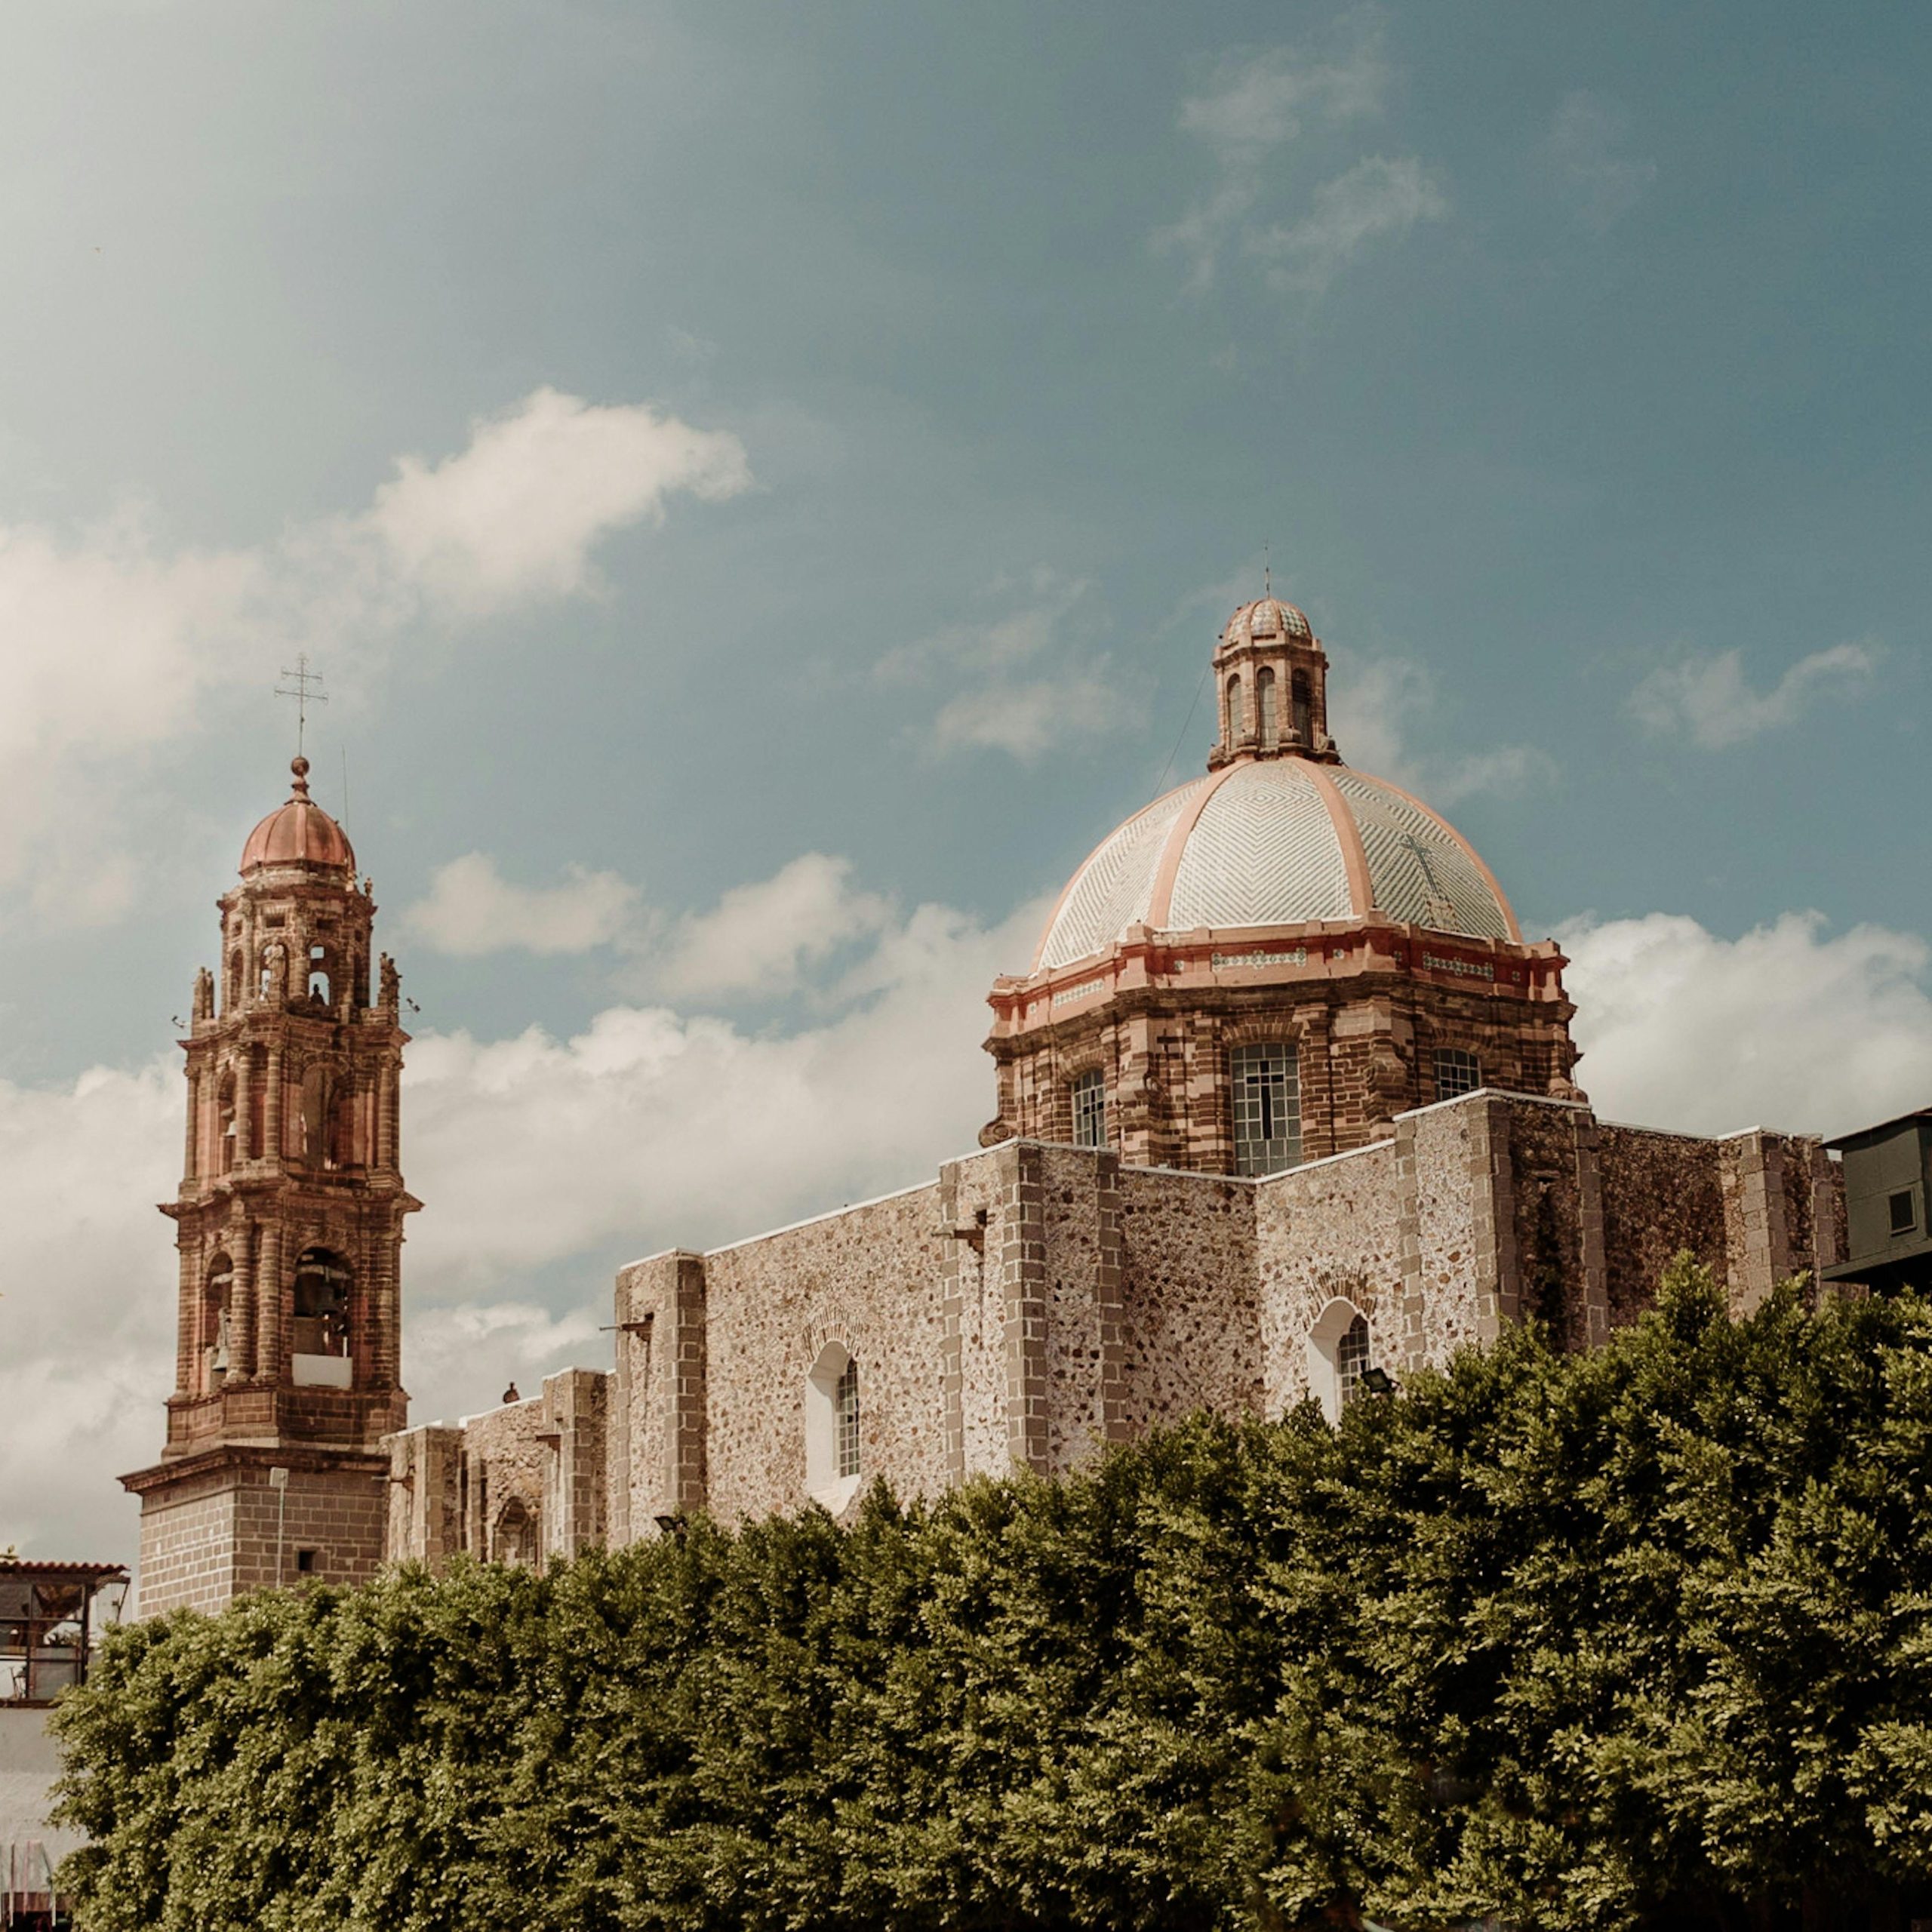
(323, 1282)
(1236, 725)
(1090, 1109)
(224, 1104)
(232, 993)
(1340, 1354)
(217, 1299)
(313, 1152)
(272, 982)
(319, 965)
(1267, 1107)
(1456, 1072)
(1301, 699)
(833, 1446)
(1264, 705)
(514, 1538)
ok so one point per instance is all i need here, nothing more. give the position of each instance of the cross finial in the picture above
(1267, 574)
(305, 687)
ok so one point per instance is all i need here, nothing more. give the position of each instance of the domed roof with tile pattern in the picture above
(1266, 617)
(1275, 842)
(298, 833)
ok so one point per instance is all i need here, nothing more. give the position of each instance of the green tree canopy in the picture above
(1639, 1638)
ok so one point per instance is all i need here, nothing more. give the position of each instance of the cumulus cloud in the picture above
(86, 1301)
(760, 938)
(1377, 199)
(1025, 683)
(1789, 1026)
(1585, 152)
(1707, 696)
(1259, 101)
(472, 909)
(516, 514)
(118, 643)
(1371, 715)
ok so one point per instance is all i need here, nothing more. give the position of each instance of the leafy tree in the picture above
(1636, 1638)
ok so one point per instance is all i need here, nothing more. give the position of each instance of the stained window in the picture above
(1456, 1072)
(1090, 1109)
(1264, 704)
(1267, 1108)
(845, 1420)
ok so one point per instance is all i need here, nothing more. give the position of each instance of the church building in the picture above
(1286, 1106)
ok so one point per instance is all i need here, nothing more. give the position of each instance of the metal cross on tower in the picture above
(305, 689)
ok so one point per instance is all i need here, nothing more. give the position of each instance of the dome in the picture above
(1275, 842)
(299, 833)
(1266, 617)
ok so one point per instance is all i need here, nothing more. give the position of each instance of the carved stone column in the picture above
(242, 1329)
(271, 1363)
(271, 1127)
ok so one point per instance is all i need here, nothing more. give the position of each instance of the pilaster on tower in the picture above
(288, 1232)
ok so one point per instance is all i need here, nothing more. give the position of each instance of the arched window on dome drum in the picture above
(1236, 725)
(323, 1281)
(1267, 1107)
(1090, 1109)
(1264, 706)
(1302, 699)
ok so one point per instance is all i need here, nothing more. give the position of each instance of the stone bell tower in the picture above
(289, 1226)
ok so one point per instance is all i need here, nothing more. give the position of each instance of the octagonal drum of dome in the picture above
(1275, 842)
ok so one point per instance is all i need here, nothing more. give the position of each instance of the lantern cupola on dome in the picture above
(1271, 675)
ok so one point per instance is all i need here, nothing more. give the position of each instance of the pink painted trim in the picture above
(1161, 897)
(1348, 835)
(1469, 852)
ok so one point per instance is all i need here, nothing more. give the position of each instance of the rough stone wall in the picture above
(656, 1454)
(872, 1277)
(1334, 1228)
(1661, 1193)
(506, 1459)
(1190, 1311)
(577, 1424)
(426, 1495)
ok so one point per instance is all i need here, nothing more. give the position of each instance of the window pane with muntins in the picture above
(1456, 1072)
(845, 1416)
(1267, 1108)
(1089, 1110)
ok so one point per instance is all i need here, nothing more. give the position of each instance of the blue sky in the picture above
(762, 483)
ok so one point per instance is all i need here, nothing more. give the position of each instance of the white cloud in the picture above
(117, 644)
(1259, 103)
(1788, 1026)
(759, 938)
(86, 1302)
(1377, 199)
(1601, 183)
(1259, 98)
(1369, 714)
(516, 514)
(1708, 697)
(473, 909)
(471, 1353)
(1026, 683)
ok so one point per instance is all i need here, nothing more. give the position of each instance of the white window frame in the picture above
(1238, 1058)
(824, 1482)
(1092, 1082)
(1328, 1379)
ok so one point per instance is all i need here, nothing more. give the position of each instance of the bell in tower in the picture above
(289, 1227)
